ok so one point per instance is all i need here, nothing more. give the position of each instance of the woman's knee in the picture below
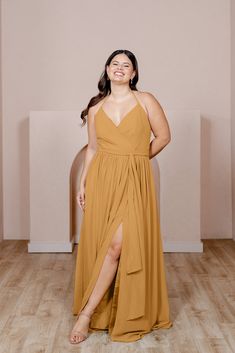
(115, 247)
(114, 250)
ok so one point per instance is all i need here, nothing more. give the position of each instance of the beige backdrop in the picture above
(53, 53)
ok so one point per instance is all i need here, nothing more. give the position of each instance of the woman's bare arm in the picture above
(159, 125)
(92, 145)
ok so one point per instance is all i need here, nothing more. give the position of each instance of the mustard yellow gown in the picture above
(120, 188)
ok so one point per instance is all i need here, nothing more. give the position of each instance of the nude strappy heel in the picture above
(79, 334)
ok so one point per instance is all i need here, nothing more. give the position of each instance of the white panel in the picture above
(56, 157)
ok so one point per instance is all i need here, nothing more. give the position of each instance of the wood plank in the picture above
(36, 296)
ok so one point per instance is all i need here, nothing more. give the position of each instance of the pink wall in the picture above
(1, 196)
(233, 108)
(53, 53)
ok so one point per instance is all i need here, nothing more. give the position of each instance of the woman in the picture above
(120, 283)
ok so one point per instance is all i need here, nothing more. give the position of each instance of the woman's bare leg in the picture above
(103, 282)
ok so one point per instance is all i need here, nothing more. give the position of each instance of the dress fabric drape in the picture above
(120, 189)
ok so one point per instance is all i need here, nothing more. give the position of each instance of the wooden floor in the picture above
(36, 293)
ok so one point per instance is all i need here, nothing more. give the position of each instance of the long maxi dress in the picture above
(120, 188)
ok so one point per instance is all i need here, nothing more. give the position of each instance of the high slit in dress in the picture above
(120, 188)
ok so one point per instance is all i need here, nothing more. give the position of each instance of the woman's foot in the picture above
(80, 329)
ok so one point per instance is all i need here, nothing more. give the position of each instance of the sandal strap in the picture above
(83, 313)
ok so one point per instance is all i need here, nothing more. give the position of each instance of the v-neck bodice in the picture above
(131, 135)
(124, 116)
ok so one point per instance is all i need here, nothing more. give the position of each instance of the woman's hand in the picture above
(81, 197)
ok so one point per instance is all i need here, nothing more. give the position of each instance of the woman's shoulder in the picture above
(147, 99)
(145, 95)
(94, 108)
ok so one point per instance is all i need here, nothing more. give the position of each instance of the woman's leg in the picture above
(103, 282)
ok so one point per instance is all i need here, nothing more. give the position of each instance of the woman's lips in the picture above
(118, 74)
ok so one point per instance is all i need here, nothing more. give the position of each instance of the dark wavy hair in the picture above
(104, 82)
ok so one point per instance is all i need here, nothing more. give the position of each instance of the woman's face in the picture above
(120, 69)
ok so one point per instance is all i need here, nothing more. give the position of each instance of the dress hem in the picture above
(162, 325)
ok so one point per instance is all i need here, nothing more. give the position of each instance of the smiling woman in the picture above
(120, 283)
